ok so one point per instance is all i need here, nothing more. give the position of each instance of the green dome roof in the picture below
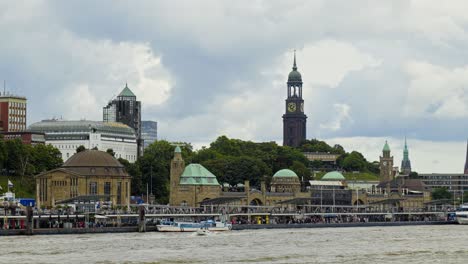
(294, 76)
(386, 147)
(196, 174)
(334, 176)
(285, 173)
(177, 150)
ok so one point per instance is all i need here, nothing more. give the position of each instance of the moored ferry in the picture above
(193, 227)
(462, 214)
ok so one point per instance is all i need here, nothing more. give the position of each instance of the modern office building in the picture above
(149, 132)
(453, 182)
(67, 136)
(12, 113)
(127, 110)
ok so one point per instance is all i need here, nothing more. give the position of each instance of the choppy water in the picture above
(418, 244)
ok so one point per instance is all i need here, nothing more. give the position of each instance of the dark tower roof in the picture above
(294, 75)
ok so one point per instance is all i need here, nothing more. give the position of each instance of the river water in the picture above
(418, 244)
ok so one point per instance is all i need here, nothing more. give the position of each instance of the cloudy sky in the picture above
(372, 70)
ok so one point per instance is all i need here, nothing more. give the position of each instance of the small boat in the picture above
(462, 214)
(203, 232)
(209, 225)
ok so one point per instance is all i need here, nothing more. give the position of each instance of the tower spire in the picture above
(294, 64)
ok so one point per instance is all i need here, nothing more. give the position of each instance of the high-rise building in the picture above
(149, 132)
(406, 163)
(12, 113)
(386, 165)
(127, 110)
(294, 120)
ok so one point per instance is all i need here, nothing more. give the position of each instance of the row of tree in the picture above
(23, 160)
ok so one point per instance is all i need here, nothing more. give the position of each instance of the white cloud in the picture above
(341, 115)
(327, 62)
(437, 91)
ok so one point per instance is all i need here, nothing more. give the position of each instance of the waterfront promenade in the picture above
(145, 218)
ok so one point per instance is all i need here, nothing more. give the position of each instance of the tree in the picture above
(133, 169)
(441, 193)
(301, 170)
(80, 148)
(354, 162)
(45, 157)
(111, 151)
(413, 175)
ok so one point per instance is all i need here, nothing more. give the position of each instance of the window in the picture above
(107, 188)
(93, 188)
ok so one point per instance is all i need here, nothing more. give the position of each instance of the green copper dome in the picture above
(196, 174)
(177, 150)
(386, 147)
(285, 173)
(333, 176)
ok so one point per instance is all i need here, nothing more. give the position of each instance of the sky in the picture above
(372, 70)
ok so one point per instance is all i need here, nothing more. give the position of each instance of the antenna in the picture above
(4, 87)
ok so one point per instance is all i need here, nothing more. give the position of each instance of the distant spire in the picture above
(294, 64)
(126, 86)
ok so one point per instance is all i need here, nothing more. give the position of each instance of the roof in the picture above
(126, 92)
(326, 183)
(294, 75)
(92, 158)
(285, 173)
(386, 147)
(196, 174)
(84, 126)
(410, 184)
(333, 175)
(177, 150)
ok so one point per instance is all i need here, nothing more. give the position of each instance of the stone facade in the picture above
(93, 174)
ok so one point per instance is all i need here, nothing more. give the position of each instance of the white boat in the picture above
(203, 232)
(193, 227)
(462, 214)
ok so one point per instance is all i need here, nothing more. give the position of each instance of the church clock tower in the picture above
(386, 165)
(294, 120)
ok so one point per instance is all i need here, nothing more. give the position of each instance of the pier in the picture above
(144, 218)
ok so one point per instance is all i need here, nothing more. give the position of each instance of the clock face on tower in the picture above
(291, 107)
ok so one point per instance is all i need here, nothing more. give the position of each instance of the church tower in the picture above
(466, 162)
(406, 163)
(177, 168)
(386, 165)
(294, 119)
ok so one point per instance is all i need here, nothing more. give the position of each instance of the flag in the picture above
(10, 184)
